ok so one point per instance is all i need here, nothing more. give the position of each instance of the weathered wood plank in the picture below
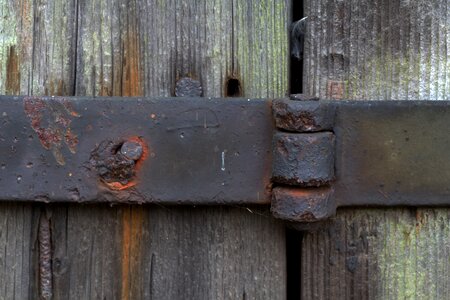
(34, 58)
(378, 50)
(144, 47)
(18, 231)
(140, 252)
(134, 252)
(16, 23)
(379, 254)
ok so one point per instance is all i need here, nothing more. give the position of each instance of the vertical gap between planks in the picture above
(296, 66)
(294, 237)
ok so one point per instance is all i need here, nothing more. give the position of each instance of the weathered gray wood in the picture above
(118, 47)
(378, 50)
(34, 50)
(379, 254)
(16, 23)
(141, 252)
(132, 252)
(18, 232)
(143, 47)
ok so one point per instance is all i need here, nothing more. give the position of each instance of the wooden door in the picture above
(132, 48)
(355, 49)
(380, 50)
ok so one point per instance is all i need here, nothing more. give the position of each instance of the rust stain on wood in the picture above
(131, 77)
(133, 217)
(132, 223)
(335, 89)
(56, 87)
(12, 72)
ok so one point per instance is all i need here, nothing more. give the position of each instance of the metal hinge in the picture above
(306, 158)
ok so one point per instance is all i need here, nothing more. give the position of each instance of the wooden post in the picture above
(358, 49)
(132, 48)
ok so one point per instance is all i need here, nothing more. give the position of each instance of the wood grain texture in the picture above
(379, 254)
(16, 43)
(131, 252)
(378, 50)
(35, 48)
(134, 48)
(18, 233)
(143, 47)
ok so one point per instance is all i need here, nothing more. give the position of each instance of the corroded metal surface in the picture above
(218, 151)
(392, 153)
(388, 153)
(303, 116)
(194, 151)
(303, 204)
(303, 159)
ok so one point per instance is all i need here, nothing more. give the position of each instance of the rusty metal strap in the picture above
(387, 153)
(172, 150)
(219, 151)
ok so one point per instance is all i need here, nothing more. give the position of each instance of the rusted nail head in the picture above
(132, 150)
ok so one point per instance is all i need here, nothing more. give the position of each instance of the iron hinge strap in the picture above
(316, 155)
(303, 161)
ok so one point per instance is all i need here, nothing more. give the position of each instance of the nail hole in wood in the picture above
(233, 88)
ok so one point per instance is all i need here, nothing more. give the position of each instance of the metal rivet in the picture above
(132, 150)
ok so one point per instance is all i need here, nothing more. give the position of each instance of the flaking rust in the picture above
(45, 258)
(51, 119)
(117, 162)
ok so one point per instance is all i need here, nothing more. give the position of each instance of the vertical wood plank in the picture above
(127, 47)
(35, 57)
(16, 25)
(378, 50)
(17, 259)
(134, 252)
(260, 30)
(53, 52)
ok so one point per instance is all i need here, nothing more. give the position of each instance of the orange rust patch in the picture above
(118, 186)
(301, 193)
(335, 89)
(145, 150)
(71, 140)
(57, 129)
(12, 84)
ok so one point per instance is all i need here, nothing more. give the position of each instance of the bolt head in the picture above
(132, 150)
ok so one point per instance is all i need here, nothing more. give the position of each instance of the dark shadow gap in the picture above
(233, 88)
(293, 257)
(294, 237)
(296, 66)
